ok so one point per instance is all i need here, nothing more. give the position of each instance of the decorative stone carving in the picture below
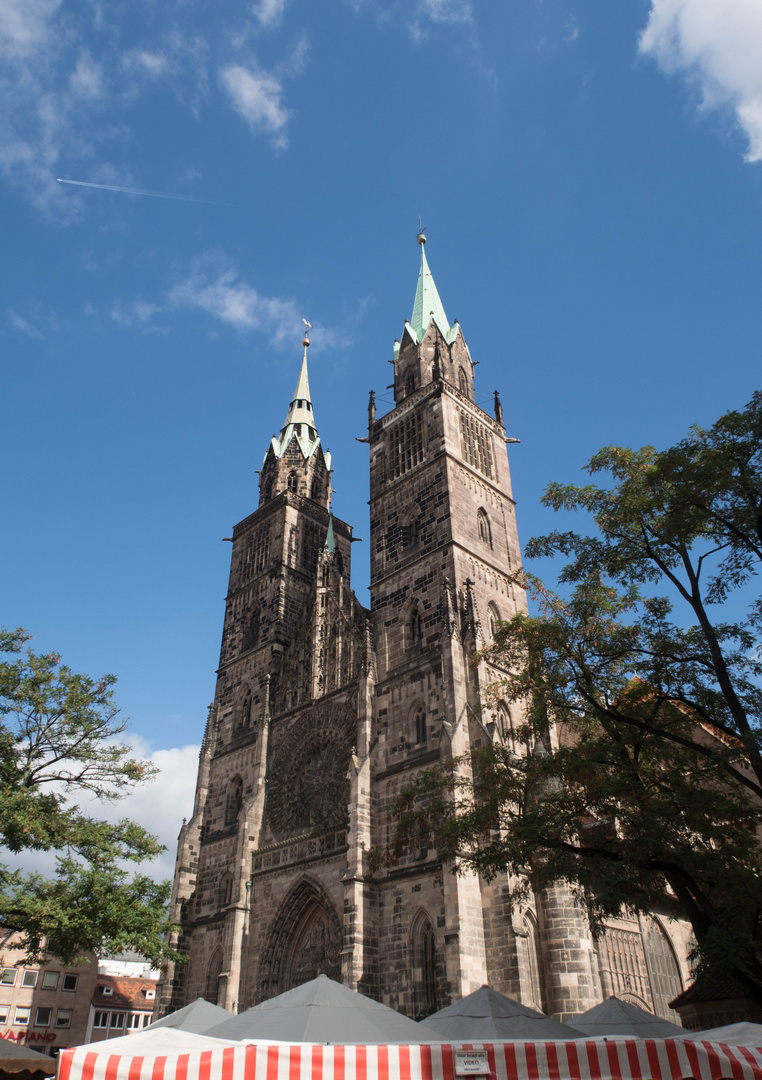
(308, 789)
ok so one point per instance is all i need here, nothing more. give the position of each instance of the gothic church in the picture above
(323, 710)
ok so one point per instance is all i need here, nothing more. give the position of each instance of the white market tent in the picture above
(199, 1016)
(324, 1011)
(742, 1034)
(489, 1016)
(154, 1041)
(594, 1059)
(614, 1017)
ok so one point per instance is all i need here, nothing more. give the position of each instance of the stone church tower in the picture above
(323, 711)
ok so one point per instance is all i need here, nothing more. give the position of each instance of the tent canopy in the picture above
(615, 1017)
(487, 1015)
(742, 1034)
(199, 1016)
(323, 1011)
(16, 1058)
(155, 1040)
(617, 1059)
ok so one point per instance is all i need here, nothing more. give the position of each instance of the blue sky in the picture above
(590, 176)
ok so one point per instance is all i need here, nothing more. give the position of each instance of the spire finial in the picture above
(305, 339)
(421, 237)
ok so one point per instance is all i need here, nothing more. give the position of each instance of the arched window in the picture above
(505, 721)
(493, 616)
(663, 970)
(251, 635)
(484, 527)
(316, 490)
(420, 725)
(246, 708)
(234, 801)
(213, 976)
(268, 491)
(462, 381)
(409, 529)
(409, 383)
(534, 986)
(424, 975)
(416, 628)
(226, 889)
(293, 480)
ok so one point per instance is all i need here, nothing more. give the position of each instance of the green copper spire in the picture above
(300, 421)
(427, 304)
(330, 540)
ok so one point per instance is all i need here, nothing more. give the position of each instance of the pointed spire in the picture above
(300, 420)
(427, 304)
(330, 539)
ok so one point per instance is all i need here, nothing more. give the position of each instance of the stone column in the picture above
(570, 967)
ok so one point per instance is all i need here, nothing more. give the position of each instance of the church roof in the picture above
(300, 421)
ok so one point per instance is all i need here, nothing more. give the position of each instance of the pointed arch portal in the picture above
(304, 941)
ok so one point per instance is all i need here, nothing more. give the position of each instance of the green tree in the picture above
(637, 775)
(58, 733)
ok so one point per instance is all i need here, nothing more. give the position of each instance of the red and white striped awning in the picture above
(612, 1059)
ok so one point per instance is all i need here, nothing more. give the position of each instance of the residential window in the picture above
(133, 1021)
(150, 994)
(30, 977)
(50, 980)
(63, 1018)
(23, 1013)
(117, 1020)
(44, 1016)
(107, 991)
(101, 1020)
(70, 982)
(4, 1014)
(8, 977)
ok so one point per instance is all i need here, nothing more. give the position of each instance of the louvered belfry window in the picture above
(477, 444)
(406, 444)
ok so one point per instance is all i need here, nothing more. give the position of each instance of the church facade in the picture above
(324, 710)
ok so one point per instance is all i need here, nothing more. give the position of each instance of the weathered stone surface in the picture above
(324, 711)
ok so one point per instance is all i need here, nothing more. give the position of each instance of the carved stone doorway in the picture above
(305, 941)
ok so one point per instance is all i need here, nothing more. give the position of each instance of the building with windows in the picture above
(43, 1005)
(324, 710)
(120, 1005)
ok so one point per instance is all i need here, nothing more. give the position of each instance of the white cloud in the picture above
(213, 286)
(25, 25)
(446, 11)
(153, 64)
(256, 96)
(439, 12)
(18, 322)
(137, 311)
(159, 806)
(268, 12)
(717, 45)
(86, 80)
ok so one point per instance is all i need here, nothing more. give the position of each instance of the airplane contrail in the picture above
(127, 190)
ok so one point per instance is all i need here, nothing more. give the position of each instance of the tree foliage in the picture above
(637, 774)
(58, 738)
